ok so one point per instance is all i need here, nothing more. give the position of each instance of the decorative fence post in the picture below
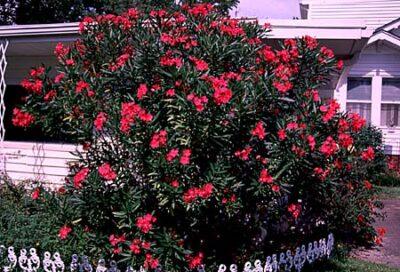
(3, 66)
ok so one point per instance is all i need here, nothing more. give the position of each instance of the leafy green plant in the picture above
(196, 132)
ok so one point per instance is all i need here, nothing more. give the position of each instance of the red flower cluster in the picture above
(136, 245)
(83, 86)
(195, 261)
(259, 131)
(194, 193)
(329, 147)
(159, 139)
(150, 262)
(330, 110)
(265, 177)
(381, 232)
(368, 154)
(169, 61)
(198, 101)
(35, 86)
(80, 177)
(345, 140)
(145, 222)
(22, 119)
(185, 157)
(321, 173)
(356, 121)
(107, 172)
(100, 120)
(129, 112)
(115, 240)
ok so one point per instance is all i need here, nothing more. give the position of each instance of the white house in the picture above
(366, 33)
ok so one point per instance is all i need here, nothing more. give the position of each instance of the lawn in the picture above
(389, 192)
(353, 265)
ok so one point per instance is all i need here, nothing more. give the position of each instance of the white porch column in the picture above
(3, 66)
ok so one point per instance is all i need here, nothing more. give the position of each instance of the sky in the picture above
(274, 9)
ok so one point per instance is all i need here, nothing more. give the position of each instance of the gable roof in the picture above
(389, 26)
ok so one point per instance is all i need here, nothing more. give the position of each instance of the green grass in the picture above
(389, 192)
(353, 265)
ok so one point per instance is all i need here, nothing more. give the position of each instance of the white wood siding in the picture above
(46, 162)
(375, 12)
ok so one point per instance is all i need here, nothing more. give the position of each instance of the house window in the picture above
(14, 96)
(359, 96)
(390, 107)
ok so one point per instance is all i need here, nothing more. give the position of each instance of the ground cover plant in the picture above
(195, 132)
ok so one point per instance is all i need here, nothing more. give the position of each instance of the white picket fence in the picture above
(29, 261)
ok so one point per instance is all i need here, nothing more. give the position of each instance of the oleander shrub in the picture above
(201, 144)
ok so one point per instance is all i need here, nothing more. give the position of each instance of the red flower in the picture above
(201, 65)
(311, 43)
(59, 77)
(243, 154)
(368, 154)
(175, 183)
(170, 92)
(259, 131)
(321, 173)
(330, 110)
(201, 9)
(150, 262)
(35, 194)
(35, 87)
(60, 51)
(198, 102)
(115, 240)
(185, 157)
(281, 134)
(135, 246)
(145, 222)
(295, 210)
(107, 172)
(356, 121)
(367, 185)
(63, 232)
(50, 96)
(80, 177)
(81, 85)
(339, 64)
(100, 120)
(345, 140)
(328, 147)
(198, 192)
(265, 177)
(142, 91)
(311, 142)
(282, 86)
(172, 154)
(222, 96)
(22, 119)
(195, 261)
(159, 139)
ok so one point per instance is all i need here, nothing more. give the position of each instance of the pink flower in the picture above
(107, 172)
(115, 240)
(295, 210)
(259, 131)
(200, 65)
(64, 232)
(198, 101)
(81, 85)
(311, 142)
(145, 222)
(243, 154)
(345, 140)
(150, 262)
